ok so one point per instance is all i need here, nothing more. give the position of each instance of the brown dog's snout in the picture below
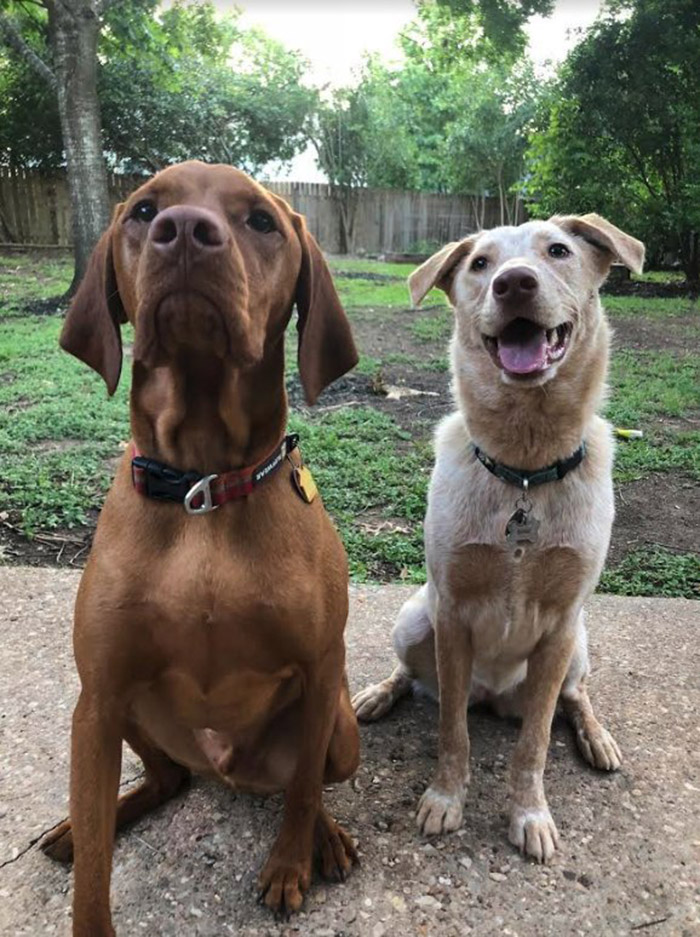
(185, 227)
(518, 284)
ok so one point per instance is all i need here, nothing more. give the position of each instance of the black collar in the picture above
(524, 479)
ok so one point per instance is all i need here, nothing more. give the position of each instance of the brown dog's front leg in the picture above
(95, 768)
(532, 828)
(287, 872)
(441, 806)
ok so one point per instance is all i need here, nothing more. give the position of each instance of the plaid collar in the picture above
(524, 479)
(201, 493)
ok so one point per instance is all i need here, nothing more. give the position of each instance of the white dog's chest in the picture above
(509, 594)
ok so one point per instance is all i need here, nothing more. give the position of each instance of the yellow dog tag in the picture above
(304, 483)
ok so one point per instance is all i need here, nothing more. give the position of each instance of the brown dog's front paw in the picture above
(335, 851)
(57, 844)
(282, 884)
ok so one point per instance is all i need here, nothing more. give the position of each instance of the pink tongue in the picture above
(524, 355)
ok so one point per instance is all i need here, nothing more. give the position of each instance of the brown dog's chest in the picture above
(217, 613)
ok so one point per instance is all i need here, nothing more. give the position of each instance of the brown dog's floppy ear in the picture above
(91, 329)
(439, 270)
(326, 346)
(611, 242)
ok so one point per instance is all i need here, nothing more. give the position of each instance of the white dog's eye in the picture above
(479, 263)
(558, 250)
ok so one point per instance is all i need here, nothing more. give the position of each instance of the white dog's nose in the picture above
(518, 284)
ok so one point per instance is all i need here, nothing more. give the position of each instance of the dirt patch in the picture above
(414, 413)
(67, 547)
(658, 511)
(369, 275)
(645, 288)
(676, 333)
(54, 306)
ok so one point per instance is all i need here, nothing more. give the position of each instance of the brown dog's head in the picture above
(202, 258)
(526, 297)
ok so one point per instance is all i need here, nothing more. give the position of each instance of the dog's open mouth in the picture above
(525, 348)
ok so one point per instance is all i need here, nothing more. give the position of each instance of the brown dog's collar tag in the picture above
(304, 483)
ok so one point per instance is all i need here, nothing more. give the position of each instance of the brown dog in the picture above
(210, 643)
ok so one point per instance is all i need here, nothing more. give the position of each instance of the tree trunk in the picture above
(73, 32)
(347, 204)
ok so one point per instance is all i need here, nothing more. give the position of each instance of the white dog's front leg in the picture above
(532, 829)
(441, 806)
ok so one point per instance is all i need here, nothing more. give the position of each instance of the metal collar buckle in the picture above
(203, 488)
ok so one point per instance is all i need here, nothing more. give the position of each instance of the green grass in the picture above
(660, 276)
(434, 327)
(373, 293)
(652, 307)
(645, 386)
(57, 428)
(358, 292)
(25, 278)
(59, 432)
(654, 572)
(361, 265)
(372, 476)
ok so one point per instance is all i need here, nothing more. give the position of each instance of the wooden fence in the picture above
(35, 210)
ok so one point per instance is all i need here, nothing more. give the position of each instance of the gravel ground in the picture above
(628, 861)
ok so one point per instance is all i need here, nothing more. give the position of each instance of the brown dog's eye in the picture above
(144, 210)
(558, 250)
(261, 222)
(479, 263)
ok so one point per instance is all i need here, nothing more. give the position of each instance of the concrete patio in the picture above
(630, 842)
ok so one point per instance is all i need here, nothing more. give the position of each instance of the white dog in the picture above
(520, 507)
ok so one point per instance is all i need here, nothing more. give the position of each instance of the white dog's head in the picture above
(526, 297)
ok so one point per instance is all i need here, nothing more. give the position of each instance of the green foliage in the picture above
(24, 279)
(357, 292)
(434, 328)
(451, 118)
(501, 21)
(57, 427)
(366, 473)
(654, 572)
(176, 83)
(24, 140)
(621, 132)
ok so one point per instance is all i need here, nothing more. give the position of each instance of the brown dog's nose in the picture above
(515, 285)
(186, 227)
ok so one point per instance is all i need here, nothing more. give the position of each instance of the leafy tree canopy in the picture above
(174, 84)
(621, 133)
(452, 118)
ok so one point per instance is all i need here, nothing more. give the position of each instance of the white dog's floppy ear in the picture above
(611, 242)
(439, 269)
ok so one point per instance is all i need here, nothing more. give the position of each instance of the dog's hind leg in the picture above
(164, 779)
(414, 642)
(595, 743)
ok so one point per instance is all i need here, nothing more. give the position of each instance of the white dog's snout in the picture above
(516, 284)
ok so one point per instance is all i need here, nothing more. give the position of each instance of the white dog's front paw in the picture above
(599, 748)
(374, 701)
(439, 812)
(533, 831)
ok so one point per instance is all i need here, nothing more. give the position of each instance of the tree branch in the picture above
(12, 38)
